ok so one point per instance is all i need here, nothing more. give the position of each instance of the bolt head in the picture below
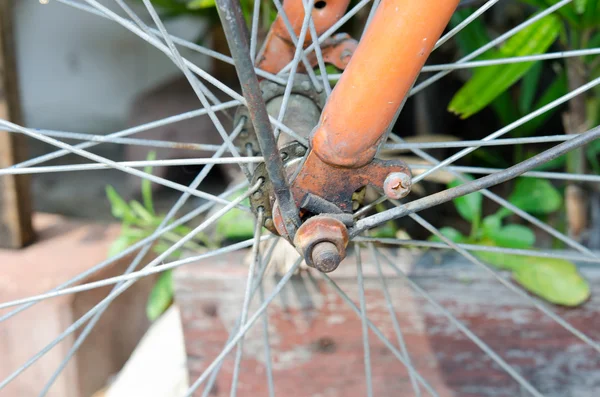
(397, 185)
(326, 257)
(300, 151)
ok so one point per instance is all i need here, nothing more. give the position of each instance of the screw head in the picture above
(326, 257)
(397, 185)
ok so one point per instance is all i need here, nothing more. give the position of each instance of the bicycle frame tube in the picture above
(382, 70)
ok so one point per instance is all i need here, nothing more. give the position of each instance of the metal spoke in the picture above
(504, 61)
(153, 237)
(233, 342)
(254, 29)
(308, 7)
(506, 204)
(507, 283)
(194, 82)
(130, 141)
(465, 23)
(297, 43)
(258, 283)
(231, 17)
(319, 55)
(476, 185)
(268, 360)
(126, 132)
(78, 323)
(395, 323)
(154, 267)
(100, 159)
(136, 261)
(378, 333)
(477, 143)
(363, 321)
(330, 31)
(479, 248)
(465, 330)
(247, 297)
(512, 126)
(130, 164)
(178, 40)
(563, 176)
(491, 44)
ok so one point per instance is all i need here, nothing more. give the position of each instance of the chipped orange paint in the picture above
(380, 74)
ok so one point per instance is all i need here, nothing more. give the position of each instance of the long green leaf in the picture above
(489, 82)
(161, 296)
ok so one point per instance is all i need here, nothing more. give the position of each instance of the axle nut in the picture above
(397, 185)
(322, 241)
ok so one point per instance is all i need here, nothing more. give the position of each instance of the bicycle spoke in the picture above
(134, 264)
(247, 297)
(506, 283)
(477, 143)
(155, 265)
(377, 332)
(130, 164)
(112, 164)
(297, 43)
(359, 6)
(233, 342)
(231, 17)
(480, 248)
(504, 61)
(268, 361)
(476, 185)
(512, 126)
(465, 330)
(319, 55)
(395, 323)
(140, 244)
(178, 40)
(491, 44)
(258, 283)
(464, 23)
(363, 320)
(308, 8)
(130, 141)
(506, 204)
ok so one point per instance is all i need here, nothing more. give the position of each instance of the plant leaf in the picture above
(119, 245)
(469, 206)
(555, 280)
(529, 86)
(450, 233)
(147, 185)
(536, 196)
(491, 225)
(201, 4)
(556, 89)
(498, 259)
(513, 236)
(119, 207)
(161, 296)
(236, 224)
(489, 82)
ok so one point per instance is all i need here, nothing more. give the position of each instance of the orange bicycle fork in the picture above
(353, 124)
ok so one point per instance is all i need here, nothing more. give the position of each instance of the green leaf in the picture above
(469, 206)
(147, 185)
(201, 4)
(529, 87)
(556, 89)
(119, 207)
(120, 245)
(491, 225)
(592, 151)
(536, 196)
(236, 224)
(473, 36)
(580, 6)
(451, 234)
(141, 211)
(161, 296)
(555, 280)
(498, 259)
(489, 82)
(387, 230)
(513, 236)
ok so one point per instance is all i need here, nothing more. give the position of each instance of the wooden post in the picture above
(15, 205)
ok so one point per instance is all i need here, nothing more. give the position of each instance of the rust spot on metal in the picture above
(322, 241)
